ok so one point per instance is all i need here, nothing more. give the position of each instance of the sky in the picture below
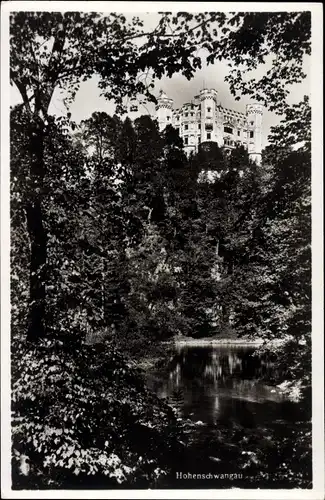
(181, 91)
(88, 99)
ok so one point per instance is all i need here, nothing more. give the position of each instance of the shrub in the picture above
(82, 417)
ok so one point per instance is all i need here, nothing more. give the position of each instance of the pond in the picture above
(233, 416)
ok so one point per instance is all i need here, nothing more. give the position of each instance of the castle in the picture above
(204, 120)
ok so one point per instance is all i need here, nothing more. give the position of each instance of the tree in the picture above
(52, 51)
(55, 50)
(19, 252)
(100, 132)
(250, 38)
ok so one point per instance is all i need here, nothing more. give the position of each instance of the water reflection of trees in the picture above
(226, 407)
(217, 384)
(217, 364)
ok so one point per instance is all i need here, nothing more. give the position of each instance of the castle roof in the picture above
(163, 95)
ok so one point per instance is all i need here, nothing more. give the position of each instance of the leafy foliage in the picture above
(148, 246)
(81, 412)
(56, 51)
(61, 49)
(117, 235)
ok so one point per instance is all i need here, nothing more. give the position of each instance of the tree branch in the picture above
(53, 65)
(166, 35)
(23, 92)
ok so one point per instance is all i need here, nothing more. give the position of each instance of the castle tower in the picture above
(164, 110)
(208, 103)
(254, 114)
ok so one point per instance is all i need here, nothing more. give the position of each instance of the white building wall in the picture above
(205, 120)
(209, 125)
(254, 119)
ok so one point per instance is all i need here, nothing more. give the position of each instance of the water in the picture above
(221, 384)
(221, 392)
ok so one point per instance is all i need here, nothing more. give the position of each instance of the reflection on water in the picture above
(234, 422)
(221, 384)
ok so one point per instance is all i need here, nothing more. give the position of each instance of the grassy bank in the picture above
(206, 341)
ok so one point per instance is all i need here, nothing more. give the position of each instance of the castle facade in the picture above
(205, 120)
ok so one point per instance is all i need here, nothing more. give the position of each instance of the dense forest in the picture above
(119, 241)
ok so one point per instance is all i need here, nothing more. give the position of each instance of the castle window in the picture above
(185, 140)
(186, 127)
(199, 126)
(134, 108)
(209, 110)
(251, 134)
(186, 114)
(168, 118)
(238, 133)
(192, 114)
(252, 123)
(228, 130)
(208, 135)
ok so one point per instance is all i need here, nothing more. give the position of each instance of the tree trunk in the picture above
(227, 309)
(225, 314)
(37, 234)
